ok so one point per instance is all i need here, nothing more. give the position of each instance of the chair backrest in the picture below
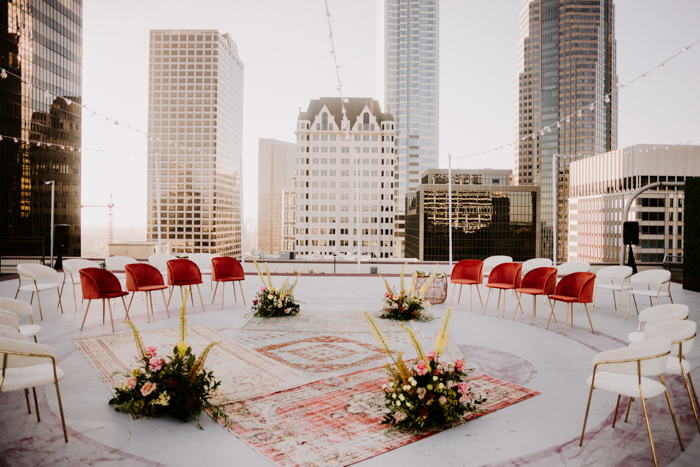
(468, 269)
(96, 281)
(142, 275)
(35, 271)
(9, 319)
(676, 332)
(72, 266)
(577, 284)
(616, 273)
(182, 270)
(118, 263)
(661, 313)
(506, 273)
(225, 266)
(18, 307)
(203, 260)
(535, 263)
(160, 261)
(544, 279)
(19, 343)
(647, 357)
(574, 266)
(12, 334)
(493, 261)
(654, 278)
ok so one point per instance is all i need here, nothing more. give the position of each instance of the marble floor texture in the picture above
(541, 431)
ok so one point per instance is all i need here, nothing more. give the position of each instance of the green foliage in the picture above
(691, 231)
(404, 307)
(279, 302)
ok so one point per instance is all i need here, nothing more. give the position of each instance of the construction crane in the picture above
(110, 232)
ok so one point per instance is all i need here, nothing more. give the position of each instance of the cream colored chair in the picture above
(27, 365)
(160, 262)
(625, 372)
(650, 284)
(564, 269)
(35, 273)
(18, 307)
(117, 265)
(7, 318)
(618, 276)
(535, 263)
(71, 274)
(655, 315)
(681, 334)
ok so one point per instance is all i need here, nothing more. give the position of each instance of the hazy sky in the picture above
(283, 44)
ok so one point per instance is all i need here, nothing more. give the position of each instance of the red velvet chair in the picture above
(98, 284)
(505, 276)
(184, 273)
(226, 269)
(539, 281)
(577, 287)
(142, 277)
(467, 272)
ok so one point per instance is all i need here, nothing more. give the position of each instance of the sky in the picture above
(284, 47)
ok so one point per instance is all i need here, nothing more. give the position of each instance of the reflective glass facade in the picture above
(195, 119)
(41, 43)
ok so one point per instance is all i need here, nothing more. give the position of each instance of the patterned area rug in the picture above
(243, 373)
(321, 321)
(337, 421)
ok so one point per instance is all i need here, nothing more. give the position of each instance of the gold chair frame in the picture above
(631, 295)
(622, 287)
(38, 300)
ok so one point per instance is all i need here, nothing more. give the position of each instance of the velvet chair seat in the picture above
(505, 276)
(184, 273)
(141, 277)
(98, 284)
(467, 272)
(574, 288)
(538, 281)
(226, 269)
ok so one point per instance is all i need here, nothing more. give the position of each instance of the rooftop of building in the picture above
(353, 109)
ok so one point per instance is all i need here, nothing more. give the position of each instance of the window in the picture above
(324, 120)
(365, 119)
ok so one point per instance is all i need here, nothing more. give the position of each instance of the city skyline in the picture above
(655, 108)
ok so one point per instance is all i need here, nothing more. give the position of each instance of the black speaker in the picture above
(630, 233)
(61, 236)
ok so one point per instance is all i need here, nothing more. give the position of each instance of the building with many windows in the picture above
(490, 217)
(566, 61)
(276, 167)
(41, 49)
(408, 71)
(345, 179)
(195, 123)
(601, 185)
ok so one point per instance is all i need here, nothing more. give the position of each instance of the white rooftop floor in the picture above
(543, 430)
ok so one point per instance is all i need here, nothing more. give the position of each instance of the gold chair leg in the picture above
(628, 303)
(673, 416)
(498, 304)
(86, 312)
(629, 406)
(150, 298)
(233, 286)
(166, 305)
(617, 406)
(589, 317)
(635, 303)
(215, 289)
(110, 313)
(38, 300)
(453, 293)
(36, 405)
(200, 296)
(516, 307)
(241, 286)
(223, 289)
(478, 293)
(551, 313)
(646, 418)
(18, 286)
(103, 311)
(566, 324)
(26, 397)
(595, 292)
(585, 418)
(505, 294)
(692, 386)
(487, 300)
(60, 406)
(59, 291)
(169, 297)
(132, 299)
(470, 298)
(459, 297)
(614, 299)
(192, 297)
(126, 310)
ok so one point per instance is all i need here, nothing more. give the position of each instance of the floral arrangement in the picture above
(176, 385)
(428, 274)
(430, 393)
(270, 302)
(407, 305)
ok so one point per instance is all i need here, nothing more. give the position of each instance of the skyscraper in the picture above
(41, 52)
(566, 61)
(408, 41)
(276, 167)
(195, 123)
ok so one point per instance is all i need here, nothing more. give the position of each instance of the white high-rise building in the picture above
(195, 124)
(408, 42)
(345, 186)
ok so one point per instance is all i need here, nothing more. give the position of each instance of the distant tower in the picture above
(566, 60)
(195, 120)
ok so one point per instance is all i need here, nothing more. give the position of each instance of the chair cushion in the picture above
(615, 287)
(627, 385)
(564, 298)
(500, 286)
(113, 294)
(636, 336)
(530, 291)
(650, 293)
(30, 330)
(229, 279)
(39, 285)
(465, 281)
(30, 376)
(673, 367)
(146, 288)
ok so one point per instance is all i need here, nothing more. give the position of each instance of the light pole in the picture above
(555, 205)
(449, 207)
(53, 189)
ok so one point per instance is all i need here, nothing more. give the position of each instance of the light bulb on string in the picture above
(558, 124)
(568, 119)
(15, 140)
(607, 99)
(329, 53)
(3, 74)
(580, 112)
(346, 100)
(47, 95)
(68, 101)
(663, 65)
(591, 106)
(684, 49)
(646, 75)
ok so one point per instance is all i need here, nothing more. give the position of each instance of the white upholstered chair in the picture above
(71, 274)
(658, 314)
(117, 265)
(617, 276)
(535, 263)
(564, 269)
(7, 318)
(625, 372)
(18, 307)
(160, 262)
(37, 278)
(652, 283)
(26, 365)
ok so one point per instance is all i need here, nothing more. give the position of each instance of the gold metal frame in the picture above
(36, 286)
(6, 353)
(622, 287)
(687, 379)
(658, 293)
(233, 284)
(641, 394)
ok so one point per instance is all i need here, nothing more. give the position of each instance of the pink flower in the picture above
(395, 297)
(421, 393)
(443, 400)
(255, 302)
(151, 351)
(148, 388)
(262, 289)
(459, 364)
(155, 364)
(431, 355)
(463, 388)
(131, 382)
(399, 416)
(386, 294)
(420, 368)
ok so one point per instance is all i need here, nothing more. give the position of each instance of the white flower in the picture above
(441, 386)
(406, 388)
(398, 403)
(408, 404)
(435, 378)
(270, 296)
(394, 396)
(384, 386)
(391, 385)
(414, 382)
(401, 397)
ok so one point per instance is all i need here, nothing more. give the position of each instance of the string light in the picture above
(3, 74)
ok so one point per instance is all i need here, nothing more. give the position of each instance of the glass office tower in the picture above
(408, 40)
(566, 61)
(41, 50)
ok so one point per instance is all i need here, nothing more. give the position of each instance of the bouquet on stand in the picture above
(407, 305)
(270, 302)
(176, 385)
(429, 393)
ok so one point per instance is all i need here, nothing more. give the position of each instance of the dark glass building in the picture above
(490, 217)
(41, 51)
